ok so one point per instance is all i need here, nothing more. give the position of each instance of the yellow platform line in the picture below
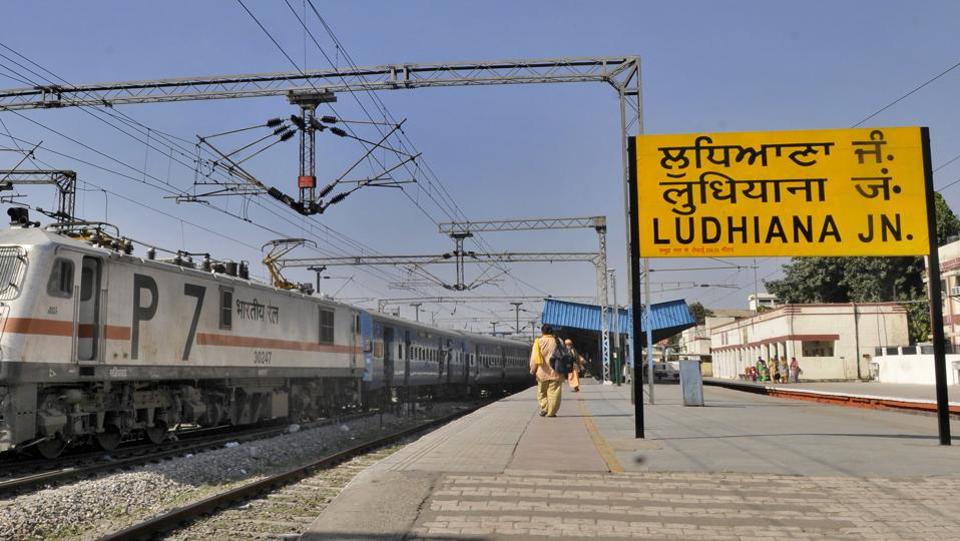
(606, 452)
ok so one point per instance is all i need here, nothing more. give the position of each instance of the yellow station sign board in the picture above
(843, 192)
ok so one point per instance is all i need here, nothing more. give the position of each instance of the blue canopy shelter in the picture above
(581, 323)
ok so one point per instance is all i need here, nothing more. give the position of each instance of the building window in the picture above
(226, 308)
(817, 348)
(61, 278)
(326, 326)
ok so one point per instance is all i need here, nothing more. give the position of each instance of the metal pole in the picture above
(416, 306)
(648, 324)
(615, 339)
(936, 302)
(856, 339)
(516, 306)
(319, 270)
(636, 307)
(629, 157)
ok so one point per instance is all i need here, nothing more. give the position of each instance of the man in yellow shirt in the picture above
(549, 382)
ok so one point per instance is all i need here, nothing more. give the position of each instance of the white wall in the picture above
(916, 369)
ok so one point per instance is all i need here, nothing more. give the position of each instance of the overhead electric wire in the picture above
(908, 94)
(171, 146)
(294, 64)
(388, 117)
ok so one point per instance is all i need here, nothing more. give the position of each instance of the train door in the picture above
(406, 359)
(388, 345)
(89, 327)
(366, 341)
(451, 357)
(503, 363)
(441, 360)
(475, 364)
(464, 363)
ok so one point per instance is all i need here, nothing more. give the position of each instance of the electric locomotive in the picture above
(98, 345)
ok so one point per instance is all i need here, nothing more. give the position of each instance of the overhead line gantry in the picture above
(620, 72)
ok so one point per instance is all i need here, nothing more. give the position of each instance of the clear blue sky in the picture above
(501, 152)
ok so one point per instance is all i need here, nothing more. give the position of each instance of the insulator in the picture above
(338, 131)
(274, 122)
(287, 135)
(315, 124)
(326, 189)
(337, 198)
(328, 119)
(279, 130)
(298, 121)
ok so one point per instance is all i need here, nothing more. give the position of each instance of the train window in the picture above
(86, 283)
(326, 326)
(226, 308)
(61, 278)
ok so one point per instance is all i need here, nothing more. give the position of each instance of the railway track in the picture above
(849, 400)
(288, 486)
(88, 464)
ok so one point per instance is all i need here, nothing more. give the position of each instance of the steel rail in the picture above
(175, 449)
(188, 513)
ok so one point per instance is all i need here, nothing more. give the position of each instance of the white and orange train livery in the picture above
(99, 345)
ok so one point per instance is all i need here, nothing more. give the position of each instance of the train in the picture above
(98, 345)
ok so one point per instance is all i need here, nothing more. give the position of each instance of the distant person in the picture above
(774, 368)
(761, 369)
(784, 369)
(549, 382)
(573, 378)
(794, 370)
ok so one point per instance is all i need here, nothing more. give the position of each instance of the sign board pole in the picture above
(936, 300)
(635, 347)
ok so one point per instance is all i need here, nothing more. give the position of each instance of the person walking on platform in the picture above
(794, 370)
(774, 368)
(549, 382)
(573, 378)
(784, 369)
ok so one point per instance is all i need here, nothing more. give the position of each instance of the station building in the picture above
(830, 341)
(950, 288)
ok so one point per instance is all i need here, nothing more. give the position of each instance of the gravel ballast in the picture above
(91, 508)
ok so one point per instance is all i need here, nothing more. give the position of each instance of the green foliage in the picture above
(866, 279)
(699, 312)
(948, 225)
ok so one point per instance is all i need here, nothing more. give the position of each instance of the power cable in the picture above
(173, 146)
(908, 94)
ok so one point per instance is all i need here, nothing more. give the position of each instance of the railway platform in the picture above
(921, 398)
(744, 466)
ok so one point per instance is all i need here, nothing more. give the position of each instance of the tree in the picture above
(699, 312)
(867, 279)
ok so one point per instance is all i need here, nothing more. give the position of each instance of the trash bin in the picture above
(691, 383)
